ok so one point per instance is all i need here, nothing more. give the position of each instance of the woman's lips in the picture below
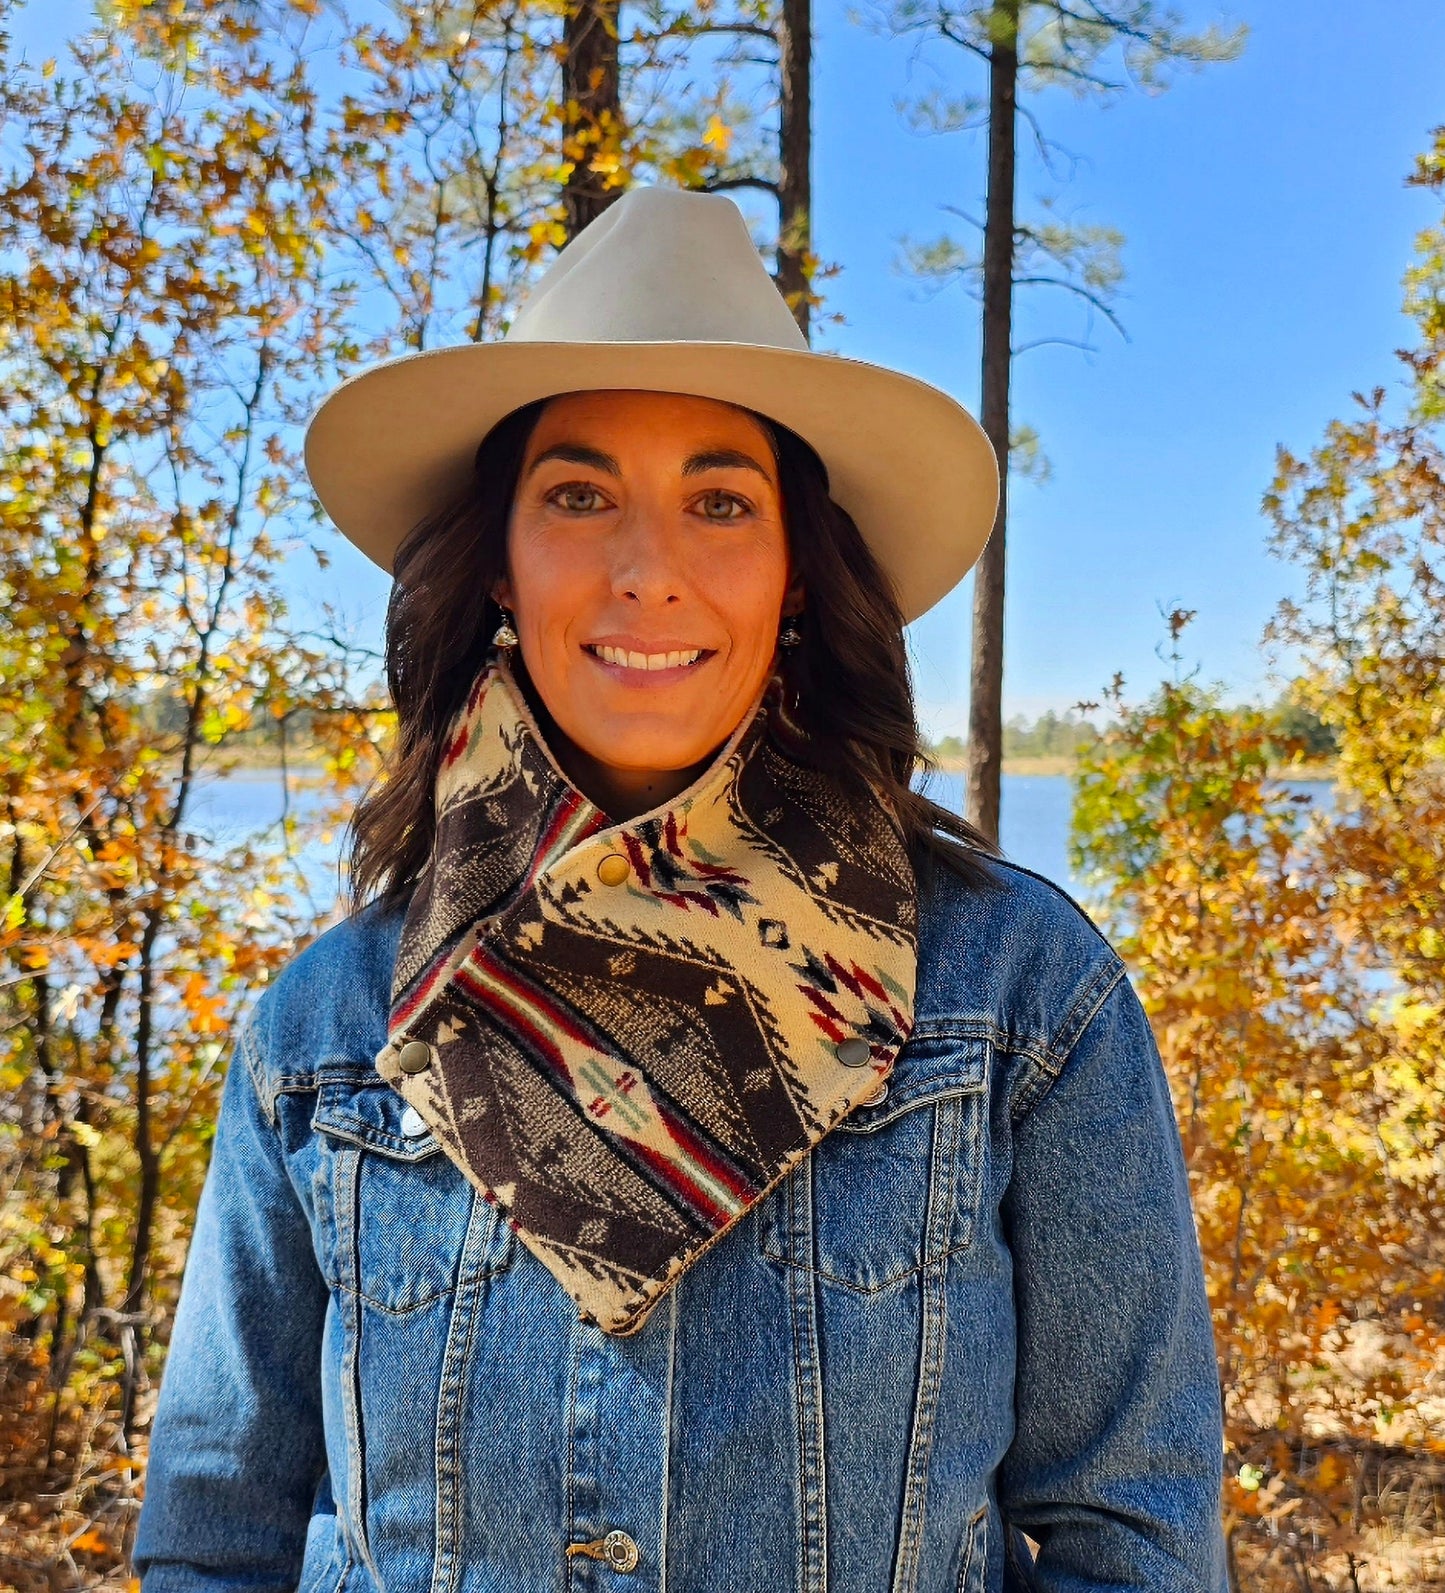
(636, 666)
(628, 658)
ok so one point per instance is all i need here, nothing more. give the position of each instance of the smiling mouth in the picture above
(621, 658)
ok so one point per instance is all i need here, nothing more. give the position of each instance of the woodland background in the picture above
(208, 215)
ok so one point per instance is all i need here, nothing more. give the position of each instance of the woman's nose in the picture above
(645, 559)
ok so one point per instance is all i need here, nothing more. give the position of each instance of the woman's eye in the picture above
(725, 499)
(573, 489)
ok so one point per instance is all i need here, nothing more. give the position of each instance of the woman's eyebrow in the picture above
(578, 454)
(694, 465)
(721, 459)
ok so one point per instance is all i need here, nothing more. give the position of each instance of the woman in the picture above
(703, 1163)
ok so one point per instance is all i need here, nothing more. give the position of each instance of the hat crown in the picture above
(659, 265)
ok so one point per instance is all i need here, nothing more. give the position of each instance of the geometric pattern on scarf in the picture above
(625, 1062)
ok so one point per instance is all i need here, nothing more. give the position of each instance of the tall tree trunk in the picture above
(592, 104)
(985, 707)
(795, 139)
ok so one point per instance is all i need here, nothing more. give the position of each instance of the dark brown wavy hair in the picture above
(850, 675)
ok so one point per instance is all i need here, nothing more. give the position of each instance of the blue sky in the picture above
(1267, 226)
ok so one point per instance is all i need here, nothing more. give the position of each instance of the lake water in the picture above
(1034, 810)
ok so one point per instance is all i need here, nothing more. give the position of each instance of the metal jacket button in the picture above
(414, 1057)
(854, 1053)
(620, 1550)
(412, 1123)
(617, 1548)
(613, 869)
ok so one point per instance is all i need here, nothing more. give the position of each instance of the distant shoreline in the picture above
(311, 766)
(1321, 771)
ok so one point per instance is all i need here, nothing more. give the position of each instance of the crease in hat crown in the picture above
(619, 279)
(664, 291)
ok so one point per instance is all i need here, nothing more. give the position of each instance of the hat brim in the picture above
(913, 468)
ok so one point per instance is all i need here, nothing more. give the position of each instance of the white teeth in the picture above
(626, 660)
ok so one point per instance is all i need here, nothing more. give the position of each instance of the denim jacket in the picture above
(975, 1311)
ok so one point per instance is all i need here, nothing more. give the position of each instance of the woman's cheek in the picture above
(748, 585)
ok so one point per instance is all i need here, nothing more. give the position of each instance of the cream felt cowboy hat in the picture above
(665, 290)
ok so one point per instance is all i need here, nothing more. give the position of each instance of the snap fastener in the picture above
(414, 1057)
(854, 1053)
(614, 869)
(412, 1123)
(879, 1094)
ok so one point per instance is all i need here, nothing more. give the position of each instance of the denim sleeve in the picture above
(236, 1447)
(1116, 1464)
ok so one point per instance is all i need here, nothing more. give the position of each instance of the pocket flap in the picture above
(928, 1068)
(370, 1114)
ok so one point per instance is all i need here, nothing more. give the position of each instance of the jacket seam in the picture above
(944, 1164)
(255, 1066)
(982, 1028)
(1081, 1014)
(1051, 1053)
(1048, 1067)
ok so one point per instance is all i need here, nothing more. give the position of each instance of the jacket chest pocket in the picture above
(407, 1226)
(896, 1185)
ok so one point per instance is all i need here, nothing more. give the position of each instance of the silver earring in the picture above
(790, 635)
(506, 633)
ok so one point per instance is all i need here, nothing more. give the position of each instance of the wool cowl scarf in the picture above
(625, 1034)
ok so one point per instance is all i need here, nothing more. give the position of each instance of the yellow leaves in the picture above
(1309, 1121)
(548, 232)
(221, 719)
(260, 904)
(717, 135)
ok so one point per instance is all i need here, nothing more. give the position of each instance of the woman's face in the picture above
(648, 571)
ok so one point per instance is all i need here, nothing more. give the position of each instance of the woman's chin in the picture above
(653, 735)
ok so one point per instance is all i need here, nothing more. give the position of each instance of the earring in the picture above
(790, 635)
(506, 633)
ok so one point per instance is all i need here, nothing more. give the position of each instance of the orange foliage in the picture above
(1292, 960)
(214, 213)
